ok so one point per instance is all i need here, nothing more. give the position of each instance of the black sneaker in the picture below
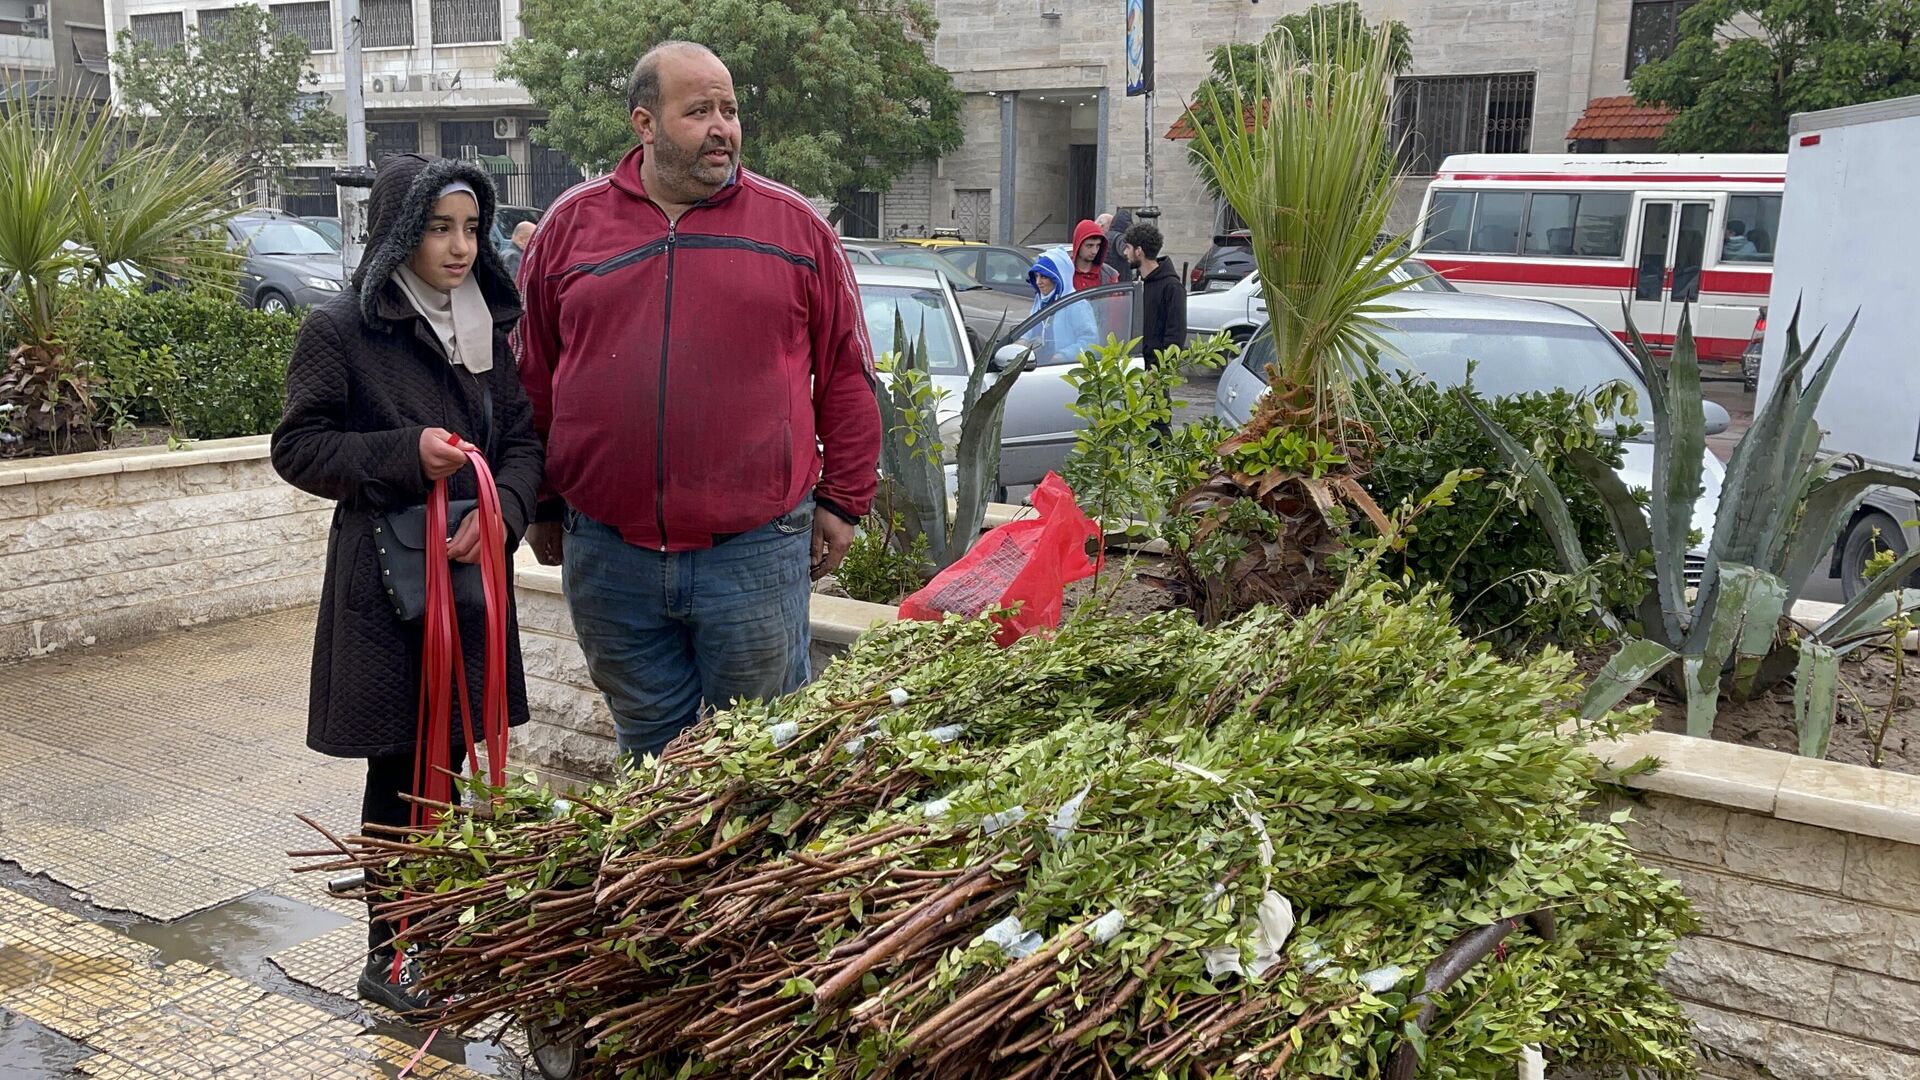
(379, 985)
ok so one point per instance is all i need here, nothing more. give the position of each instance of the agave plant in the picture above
(913, 456)
(1782, 506)
(80, 194)
(1306, 158)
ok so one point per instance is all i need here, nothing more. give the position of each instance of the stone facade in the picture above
(1807, 965)
(122, 544)
(1071, 50)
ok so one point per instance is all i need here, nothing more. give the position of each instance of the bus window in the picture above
(1691, 251)
(1550, 224)
(1496, 223)
(1600, 227)
(1448, 221)
(1753, 221)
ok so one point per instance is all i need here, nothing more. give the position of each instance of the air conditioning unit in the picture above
(37, 12)
(506, 127)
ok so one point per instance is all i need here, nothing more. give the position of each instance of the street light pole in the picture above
(354, 178)
(1150, 210)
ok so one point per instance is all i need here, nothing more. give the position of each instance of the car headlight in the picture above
(324, 284)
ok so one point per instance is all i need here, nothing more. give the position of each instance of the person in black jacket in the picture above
(1116, 224)
(380, 375)
(1165, 323)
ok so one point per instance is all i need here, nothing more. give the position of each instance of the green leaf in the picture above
(1634, 663)
(1816, 687)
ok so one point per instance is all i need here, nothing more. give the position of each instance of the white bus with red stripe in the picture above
(1661, 231)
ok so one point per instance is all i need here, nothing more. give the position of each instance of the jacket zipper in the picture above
(660, 424)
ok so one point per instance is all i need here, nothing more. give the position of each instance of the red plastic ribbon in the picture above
(443, 669)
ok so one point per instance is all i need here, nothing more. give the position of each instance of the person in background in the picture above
(697, 357)
(1117, 224)
(1065, 336)
(1737, 244)
(522, 236)
(382, 378)
(1164, 319)
(1090, 269)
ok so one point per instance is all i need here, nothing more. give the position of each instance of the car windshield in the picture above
(919, 310)
(287, 238)
(1510, 357)
(1424, 278)
(926, 259)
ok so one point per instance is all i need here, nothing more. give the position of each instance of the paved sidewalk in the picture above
(161, 779)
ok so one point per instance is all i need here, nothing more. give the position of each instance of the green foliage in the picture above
(1392, 783)
(835, 96)
(1782, 505)
(883, 565)
(1485, 548)
(1234, 66)
(199, 362)
(1312, 176)
(914, 453)
(1128, 462)
(84, 196)
(1736, 89)
(246, 89)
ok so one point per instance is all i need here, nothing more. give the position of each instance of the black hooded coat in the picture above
(367, 377)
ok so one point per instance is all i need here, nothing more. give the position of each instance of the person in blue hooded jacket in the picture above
(1065, 336)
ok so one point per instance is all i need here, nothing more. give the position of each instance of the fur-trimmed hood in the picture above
(403, 195)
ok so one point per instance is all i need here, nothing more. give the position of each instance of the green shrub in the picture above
(882, 567)
(1486, 547)
(199, 362)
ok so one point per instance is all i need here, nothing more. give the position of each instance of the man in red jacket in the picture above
(698, 364)
(1090, 269)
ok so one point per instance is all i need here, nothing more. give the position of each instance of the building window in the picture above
(89, 47)
(1654, 31)
(310, 192)
(162, 30)
(457, 22)
(470, 140)
(390, 137)
(310, 21)
(212, 20)
(861, 215)
(1434, 116)
(386, 24)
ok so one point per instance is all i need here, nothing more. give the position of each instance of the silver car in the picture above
(1038, 430)
(285, 262)
(1516, 347)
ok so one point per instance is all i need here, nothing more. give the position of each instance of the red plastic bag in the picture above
(1026, 563)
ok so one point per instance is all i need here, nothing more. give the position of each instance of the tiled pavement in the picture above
(161, 779)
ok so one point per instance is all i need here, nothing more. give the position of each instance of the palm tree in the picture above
(82, 192)
(1311, 172)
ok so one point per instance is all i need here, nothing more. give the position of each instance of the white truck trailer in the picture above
(1850, 242)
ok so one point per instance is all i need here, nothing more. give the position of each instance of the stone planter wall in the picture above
(1806, 878)
(123, 544)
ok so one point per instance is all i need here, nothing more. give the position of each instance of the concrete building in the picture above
(428, 67)
(1051, 136)
(54, 46)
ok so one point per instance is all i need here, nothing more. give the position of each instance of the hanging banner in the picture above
(1139, 47)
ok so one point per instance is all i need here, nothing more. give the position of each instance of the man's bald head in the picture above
(643, 86)
(522, 235)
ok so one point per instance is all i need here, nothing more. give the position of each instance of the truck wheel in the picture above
(556, 1054)
(1861, 543)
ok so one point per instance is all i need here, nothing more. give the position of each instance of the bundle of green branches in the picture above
(1139, 848)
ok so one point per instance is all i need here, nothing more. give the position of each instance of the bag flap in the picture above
(409, 526)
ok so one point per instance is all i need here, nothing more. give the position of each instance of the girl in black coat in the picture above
(379, 378)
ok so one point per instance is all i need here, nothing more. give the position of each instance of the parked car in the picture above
(505, 219)
(330, 228)
(1242, 309)
(1225, 263)
(285, 262)
(1038, 429)
(1517, 347)
(987, 311)
(998, 267)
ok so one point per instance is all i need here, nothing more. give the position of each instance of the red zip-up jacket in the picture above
(696, 380)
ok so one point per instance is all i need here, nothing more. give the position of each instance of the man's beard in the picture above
(689, 169)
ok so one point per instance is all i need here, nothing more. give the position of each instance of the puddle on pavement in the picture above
(485, 1058)
(31, 1052)
(237, 937)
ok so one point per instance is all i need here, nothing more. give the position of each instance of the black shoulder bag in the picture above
(400, 543)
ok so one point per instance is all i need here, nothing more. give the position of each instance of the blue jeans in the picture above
(664, 632)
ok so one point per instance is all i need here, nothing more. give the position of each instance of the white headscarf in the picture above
(460, 319)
